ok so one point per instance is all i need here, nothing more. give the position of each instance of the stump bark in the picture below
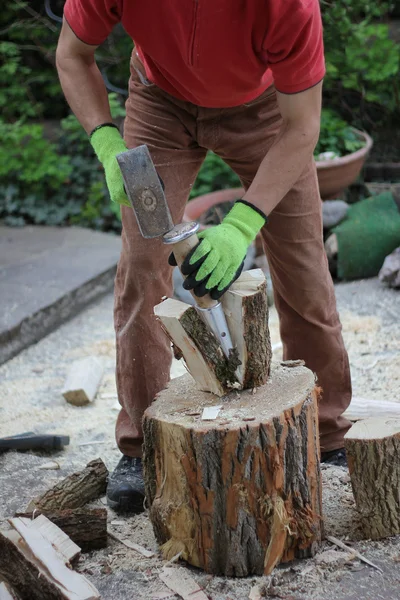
(239, 494)
(373, 454)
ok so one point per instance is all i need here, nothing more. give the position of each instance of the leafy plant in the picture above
(55, 184)
(362, 62)
(214, 175)
(336, 136)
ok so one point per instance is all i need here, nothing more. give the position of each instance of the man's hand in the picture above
(107, 143)
(217, 261)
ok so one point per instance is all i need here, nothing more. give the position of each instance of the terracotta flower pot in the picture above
(196, 207)
(335, 175)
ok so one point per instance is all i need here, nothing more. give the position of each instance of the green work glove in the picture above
(107, 142)
(218, 260)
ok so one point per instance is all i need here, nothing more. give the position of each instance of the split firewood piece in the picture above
(83, 380)
(364, 408)
(76, 490)
(373, 451)
(7, 593)
(246, 309)
(54, 535)
(179, 581)
(37, 571)
(236, 497)
(87, 527)
(201, 351)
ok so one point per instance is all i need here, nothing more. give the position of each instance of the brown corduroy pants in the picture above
(178, 135)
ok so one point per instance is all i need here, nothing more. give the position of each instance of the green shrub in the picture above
(214, 175)
(336, 136)
(363, 63)
(54, 184)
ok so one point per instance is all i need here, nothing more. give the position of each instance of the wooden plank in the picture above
(83, 380)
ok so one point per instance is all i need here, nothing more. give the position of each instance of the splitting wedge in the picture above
(146, 195)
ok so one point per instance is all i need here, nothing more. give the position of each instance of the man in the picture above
(244, 79)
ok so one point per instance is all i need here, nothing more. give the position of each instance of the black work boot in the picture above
(125, 490)
(337, 458)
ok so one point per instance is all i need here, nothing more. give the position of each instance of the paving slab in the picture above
(47, 275)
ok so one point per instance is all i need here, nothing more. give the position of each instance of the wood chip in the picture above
(131, 545)
(49, 466)
(210, 413)
(249, 418)
(180, 582)
(343, 546)
(255, 593)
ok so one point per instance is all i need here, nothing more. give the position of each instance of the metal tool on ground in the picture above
(146, 195)
(33, 441)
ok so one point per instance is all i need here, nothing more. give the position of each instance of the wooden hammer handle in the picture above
(181, 250)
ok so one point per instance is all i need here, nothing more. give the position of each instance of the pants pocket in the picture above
(137, 68)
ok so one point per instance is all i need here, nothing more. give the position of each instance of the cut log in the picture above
(364, 408)
(246, 309)
(241, 493)
(83, 380)
(76, 490)
(87, 527)
(373, 454)
(205, 361)
(33, 567)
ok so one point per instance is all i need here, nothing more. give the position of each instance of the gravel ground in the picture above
(30, 389)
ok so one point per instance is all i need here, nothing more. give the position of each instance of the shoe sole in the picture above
(125, 505)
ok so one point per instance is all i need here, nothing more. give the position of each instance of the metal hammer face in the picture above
(145, 192)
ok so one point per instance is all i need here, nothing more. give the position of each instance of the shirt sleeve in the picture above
(294, 46)
(92, 20)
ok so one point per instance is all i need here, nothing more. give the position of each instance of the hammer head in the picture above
(145, 193)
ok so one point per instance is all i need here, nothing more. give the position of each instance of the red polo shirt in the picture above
(213, 53)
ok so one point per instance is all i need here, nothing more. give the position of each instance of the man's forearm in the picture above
(84, 90)
(281, 168)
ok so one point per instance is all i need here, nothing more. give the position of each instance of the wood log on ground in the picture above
(241, 493)
(373, 454)
(76, 490)
(35, 569)
(83, 380)
(87, 527)
(246, 309)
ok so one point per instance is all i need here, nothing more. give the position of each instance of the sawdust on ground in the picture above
(30, 387)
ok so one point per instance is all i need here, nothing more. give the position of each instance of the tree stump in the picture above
(373, 454)
(241, 493)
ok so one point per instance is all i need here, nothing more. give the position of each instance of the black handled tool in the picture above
(33, 441)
